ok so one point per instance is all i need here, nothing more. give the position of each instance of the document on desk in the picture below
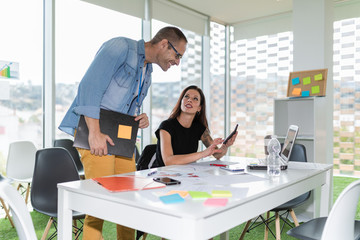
(233, 179)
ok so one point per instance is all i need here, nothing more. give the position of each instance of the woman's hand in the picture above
(231, 141)
(213, 147)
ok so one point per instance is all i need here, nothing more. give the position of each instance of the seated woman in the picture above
(178, 136)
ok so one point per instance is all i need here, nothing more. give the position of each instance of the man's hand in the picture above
(144, 121)
(98, 144)
(97, 140)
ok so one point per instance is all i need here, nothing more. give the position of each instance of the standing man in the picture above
(118, 80)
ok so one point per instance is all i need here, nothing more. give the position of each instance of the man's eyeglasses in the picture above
(178, 55)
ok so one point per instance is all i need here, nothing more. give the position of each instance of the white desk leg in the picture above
(323, 197)
(326, 194)
(224, 236)
(64, 216)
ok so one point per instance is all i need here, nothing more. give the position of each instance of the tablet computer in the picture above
(289, 143)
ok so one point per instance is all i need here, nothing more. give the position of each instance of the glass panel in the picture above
(76, 49)
(167, 86)
(259, 73)
(21, 74)
(216, 101)
(346, 74)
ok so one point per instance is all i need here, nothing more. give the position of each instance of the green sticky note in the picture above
(318, 77)
(315, 89)
(199, 195)
(306, 80)
(221, 193)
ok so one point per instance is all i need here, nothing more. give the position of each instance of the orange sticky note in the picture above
(296, 92)
(124, 132)
(181, 193)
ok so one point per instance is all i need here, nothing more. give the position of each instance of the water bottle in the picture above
(273, 159)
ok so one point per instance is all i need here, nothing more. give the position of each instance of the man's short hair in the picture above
(173, 34)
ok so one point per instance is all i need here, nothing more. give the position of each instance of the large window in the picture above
(216, 101)
(259, 73)
(347, 97)
(167, 86)
(21, 65)
(78, 40)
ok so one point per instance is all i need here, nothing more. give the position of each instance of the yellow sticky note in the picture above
(296, 92)
(124, 132)
(306, 80)
(315, 89)
(318, 77)
(221, 193)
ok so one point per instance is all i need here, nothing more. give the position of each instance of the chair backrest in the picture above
(20, 214)
(52, 166)
(298, 153)
(68, 145)
(21, 160)
(146, 156)
(340, 222)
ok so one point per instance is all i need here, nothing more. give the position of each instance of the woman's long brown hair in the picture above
(201, 116)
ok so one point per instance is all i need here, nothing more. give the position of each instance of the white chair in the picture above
(21, 216)
(340, 224)
(20, 164)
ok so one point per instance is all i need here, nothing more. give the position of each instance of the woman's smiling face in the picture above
(191, 101)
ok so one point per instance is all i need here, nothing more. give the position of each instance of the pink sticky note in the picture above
(216, 202)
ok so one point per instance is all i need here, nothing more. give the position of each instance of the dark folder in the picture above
(120, 127)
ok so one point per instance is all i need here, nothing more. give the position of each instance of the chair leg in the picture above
(7, 214)
(27, 193)
(48, 226)
(266, 234)
(292, 213)
(144, 236)
(277, 226)
(244, 230)
(75, 228)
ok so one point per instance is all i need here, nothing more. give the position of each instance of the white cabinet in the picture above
(310, 115)
(307, 113)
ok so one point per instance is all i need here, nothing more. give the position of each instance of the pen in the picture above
(152, 173)
(218, 165)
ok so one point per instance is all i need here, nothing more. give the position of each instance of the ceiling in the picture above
(236, 11)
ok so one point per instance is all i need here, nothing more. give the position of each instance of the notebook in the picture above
(120, 127)
(127, 183)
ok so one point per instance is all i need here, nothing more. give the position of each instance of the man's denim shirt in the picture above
(111, 82)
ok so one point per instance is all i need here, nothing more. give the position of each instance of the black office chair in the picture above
(298, 154)
(68, 145)
(147, 157)
(52, 166)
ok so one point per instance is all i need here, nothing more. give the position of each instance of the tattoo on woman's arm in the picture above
(206, 138)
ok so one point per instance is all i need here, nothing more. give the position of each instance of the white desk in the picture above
(191, 220)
